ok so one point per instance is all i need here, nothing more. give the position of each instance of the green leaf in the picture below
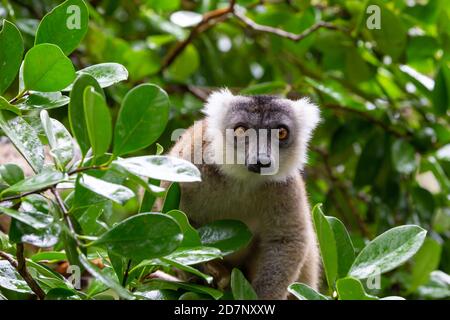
(157, 284)
(370, 161)
(172, 199)
(59, 139)
(142, 118)
(11, 173)
(185, 64)
(62, 294)
(32, 212)
(37, 220)
(388, 251)
(187, 268)
(190, 235)
(240, 287)
(76, 110)
(440, 95)
(51, 256)
(42, 100)
(438, 287)
(98, 120)
(24, 138)
(105, 279)
(40, 181)
(391, 37)
(11, 44)
(425, 261)
(162, 168)
(194, 255)
(66, 25)
(44, 234)
(352, 289)
(106, 74)
(327, 244)
(344, 246)
(226, 235)
(117, 193)
(143, 236)
(5, 105)
(403, 156)
(304, 292)
(11, 280)
(47, 69)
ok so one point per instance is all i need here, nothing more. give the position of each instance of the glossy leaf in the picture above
(142, 118)
(304, 292)
(105, 279)
(143, 236)
(98, 121)
(352, 289)
(388, 251)
(240, 287)
(156, 284)
(226, 235)
(59, 139)
(47, 69)
(425, 261)
(77, 117)
(172, 199)
(117, 193)
(344, 246)
(11, 280)
(106, 74)
(11, 52)
(42, 100)
(65, 26)
(24, 138)
(194, 255)
(11, 173)
(40, 181)
(5, 105)
(162, 168)
(190, 235)
(327, 243)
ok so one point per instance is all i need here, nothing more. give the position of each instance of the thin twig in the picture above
(280, 32)
(21, 267)
(65, 212)
(209, 19)
(126, 274)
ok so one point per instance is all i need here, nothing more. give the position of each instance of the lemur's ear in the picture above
(218, 102)
(308, 115)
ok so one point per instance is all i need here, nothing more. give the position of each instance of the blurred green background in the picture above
(381, 156)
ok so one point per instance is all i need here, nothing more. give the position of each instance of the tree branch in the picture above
(209, 19)
(21, 267)
(280, 32)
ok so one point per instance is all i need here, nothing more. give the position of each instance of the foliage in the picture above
(379, 162)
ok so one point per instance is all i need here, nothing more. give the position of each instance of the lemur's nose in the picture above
(263, 161)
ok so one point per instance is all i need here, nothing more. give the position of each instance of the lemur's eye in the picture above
(282, 133)
(239, 131)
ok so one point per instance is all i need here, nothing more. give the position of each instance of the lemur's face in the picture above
(263, 137)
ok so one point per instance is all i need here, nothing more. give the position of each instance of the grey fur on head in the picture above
(226, 111)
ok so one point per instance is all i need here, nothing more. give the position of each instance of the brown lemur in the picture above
(265, 189)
